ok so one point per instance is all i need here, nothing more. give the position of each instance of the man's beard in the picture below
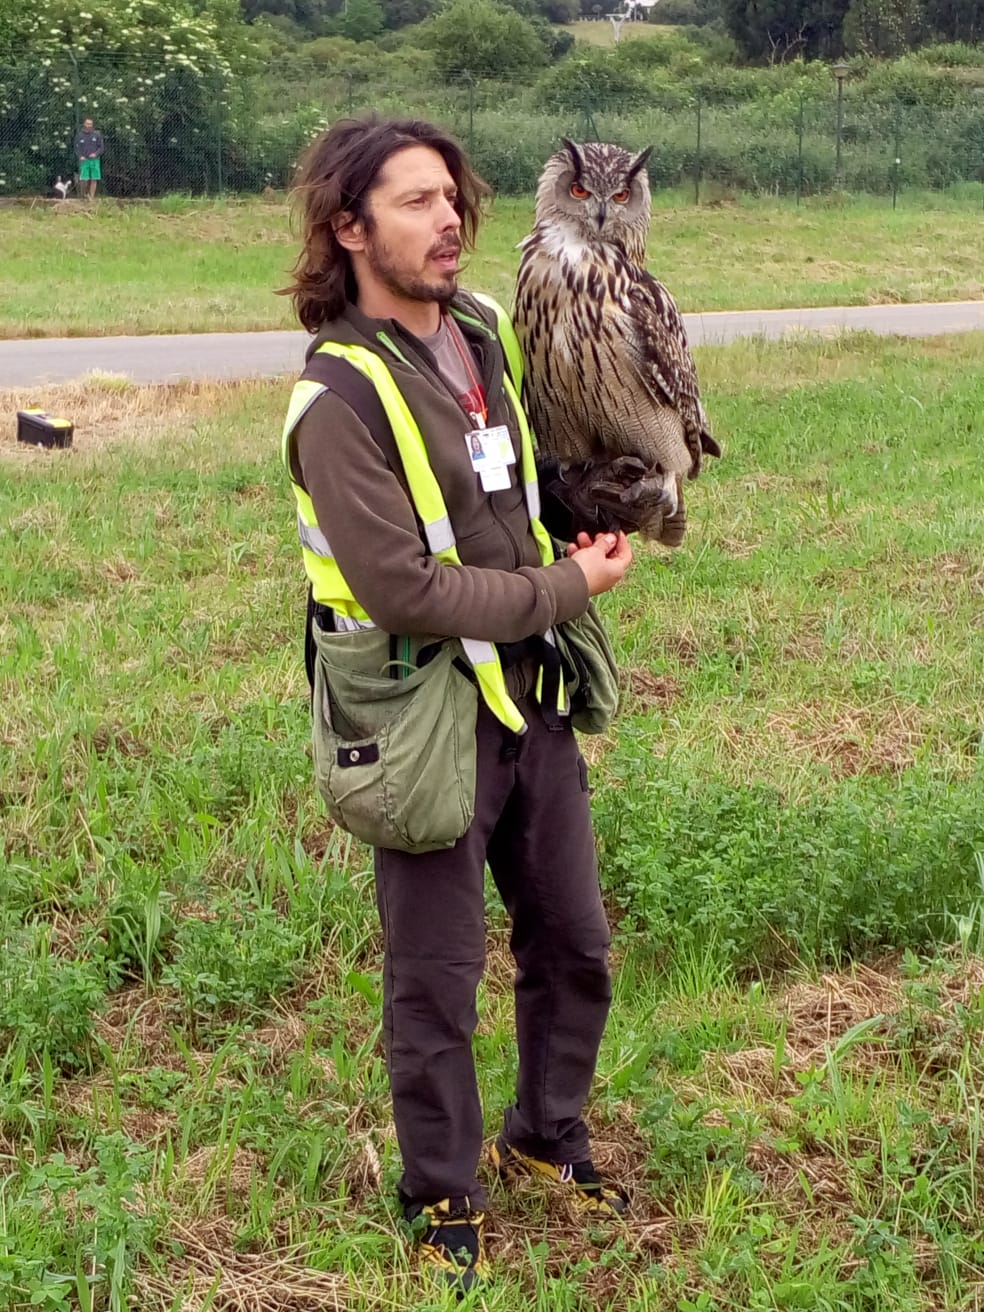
(410, 287)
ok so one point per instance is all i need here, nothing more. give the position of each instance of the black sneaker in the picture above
(450, 1241)
(589, 1192)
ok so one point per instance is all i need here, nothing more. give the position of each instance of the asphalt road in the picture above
(270, 354)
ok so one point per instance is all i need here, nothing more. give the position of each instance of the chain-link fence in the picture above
(182, 130)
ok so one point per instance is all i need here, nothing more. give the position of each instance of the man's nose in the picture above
(450, 218)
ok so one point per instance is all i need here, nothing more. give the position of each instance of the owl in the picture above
(610, 384)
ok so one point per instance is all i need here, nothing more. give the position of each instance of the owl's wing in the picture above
(660, 351)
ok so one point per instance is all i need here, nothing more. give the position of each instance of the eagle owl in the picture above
(610, 383)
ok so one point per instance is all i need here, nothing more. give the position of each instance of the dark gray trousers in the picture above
(533, 825)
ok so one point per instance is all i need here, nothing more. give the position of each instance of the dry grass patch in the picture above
(107, 410)
(240, 227)
(818, 1014)
(221, 1174)
(848, 740)
(134, 1017)
(647, 690)
(213, 1272)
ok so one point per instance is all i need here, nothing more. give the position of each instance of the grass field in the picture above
(193, 1108)
(186, 266)
(600, 32)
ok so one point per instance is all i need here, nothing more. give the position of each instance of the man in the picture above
(388, 206)
(88, 152)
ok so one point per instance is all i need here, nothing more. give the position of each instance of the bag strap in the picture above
(361, 397)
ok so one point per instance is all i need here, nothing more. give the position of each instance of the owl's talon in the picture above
(608, 495)
(655, 488)
(628, 467)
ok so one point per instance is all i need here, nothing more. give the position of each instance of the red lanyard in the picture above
(477, 390)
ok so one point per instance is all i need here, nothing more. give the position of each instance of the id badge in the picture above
(489, 447)
(495, 478)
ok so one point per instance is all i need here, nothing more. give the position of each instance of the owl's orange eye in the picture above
(579, 192)
(620, 197)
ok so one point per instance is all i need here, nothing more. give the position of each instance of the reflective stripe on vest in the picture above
(507, 336)
(322, 570)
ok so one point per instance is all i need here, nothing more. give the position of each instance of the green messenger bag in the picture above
(592, 673)
(394, 745)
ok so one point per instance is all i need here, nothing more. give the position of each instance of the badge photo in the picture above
(475, 448)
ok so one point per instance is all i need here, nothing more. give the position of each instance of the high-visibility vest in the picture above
(329, 586)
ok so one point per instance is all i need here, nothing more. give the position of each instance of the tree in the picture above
(484, 38)
(402, 13)
(776, 30)
(361, 20)
(956, 20)
(561, 11)
(307, 14)
(885, 28)
(554, 11)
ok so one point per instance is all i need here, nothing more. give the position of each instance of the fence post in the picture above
(898, 154)
(590, 130)
(799, 152)
(218, 93)
(470, 83)
(76, 90)
(697, 158)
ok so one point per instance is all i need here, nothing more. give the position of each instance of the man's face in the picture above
(88, 125)
(411, 240)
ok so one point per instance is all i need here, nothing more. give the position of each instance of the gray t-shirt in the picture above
(452, 367)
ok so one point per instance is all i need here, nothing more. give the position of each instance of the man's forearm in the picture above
(366, 516)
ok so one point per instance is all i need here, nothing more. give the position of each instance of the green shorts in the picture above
(89, 170)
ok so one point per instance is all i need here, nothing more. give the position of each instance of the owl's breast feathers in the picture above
(609, 369)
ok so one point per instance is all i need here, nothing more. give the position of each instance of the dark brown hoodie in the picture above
(500, 592)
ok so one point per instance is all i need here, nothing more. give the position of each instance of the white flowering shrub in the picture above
(156, 76)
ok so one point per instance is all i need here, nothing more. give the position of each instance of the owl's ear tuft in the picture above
(577, 159)
(639, 162)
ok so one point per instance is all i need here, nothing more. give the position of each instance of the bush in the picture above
(696, 13)
(47, 1002)
(509, 151)
(874, 864)
(233, 961)
(952, 54)
(657, 52)
(484, 38)
(594, 80)
(910, 81)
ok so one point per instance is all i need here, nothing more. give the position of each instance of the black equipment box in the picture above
(41, 429)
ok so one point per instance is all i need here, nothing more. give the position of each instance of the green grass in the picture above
(186, 266)
(193, 1107)
(600, 32)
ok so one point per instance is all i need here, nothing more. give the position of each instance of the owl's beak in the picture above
(601, 216)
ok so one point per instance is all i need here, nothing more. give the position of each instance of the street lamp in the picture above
(840, 71)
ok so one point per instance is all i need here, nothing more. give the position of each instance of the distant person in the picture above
(88, 152)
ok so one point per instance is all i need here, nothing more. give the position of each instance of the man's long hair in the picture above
(335, 177)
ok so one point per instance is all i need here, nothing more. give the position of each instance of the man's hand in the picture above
(602, 561)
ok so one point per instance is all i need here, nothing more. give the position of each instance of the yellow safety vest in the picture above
(331, 589)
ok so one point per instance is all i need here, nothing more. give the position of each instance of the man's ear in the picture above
(350, 232)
